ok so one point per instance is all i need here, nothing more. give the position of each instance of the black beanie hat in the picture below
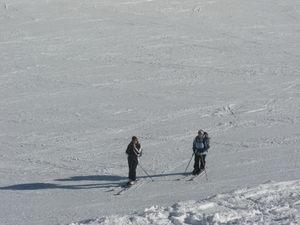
(134, 138)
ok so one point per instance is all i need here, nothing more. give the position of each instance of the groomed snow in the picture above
(79, 78)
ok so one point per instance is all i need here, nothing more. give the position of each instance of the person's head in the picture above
(134, 139)
(200, 133)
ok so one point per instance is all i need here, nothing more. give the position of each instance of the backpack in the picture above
(207, 138)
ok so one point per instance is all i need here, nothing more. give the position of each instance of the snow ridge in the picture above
(270, 203)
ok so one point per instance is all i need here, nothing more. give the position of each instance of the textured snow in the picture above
(79, 78)
(270, 203)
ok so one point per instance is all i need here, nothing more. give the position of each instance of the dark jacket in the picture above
(134, 152)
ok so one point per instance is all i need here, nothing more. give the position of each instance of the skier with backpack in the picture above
(134, 152)
(200, 149)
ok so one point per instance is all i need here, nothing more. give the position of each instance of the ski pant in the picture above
(132, 164)
(199, 159)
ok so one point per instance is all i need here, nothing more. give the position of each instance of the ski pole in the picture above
(189, 163)
(145, 172)
(204, 167)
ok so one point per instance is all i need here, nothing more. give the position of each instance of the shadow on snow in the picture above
(111, 183)
(39, 186)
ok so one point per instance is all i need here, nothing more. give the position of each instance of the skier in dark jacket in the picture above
(200, 148)
(134, 151)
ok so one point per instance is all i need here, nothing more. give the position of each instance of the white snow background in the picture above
(80, 77)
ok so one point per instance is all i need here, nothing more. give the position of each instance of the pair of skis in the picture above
(191, 176)
(124, 188)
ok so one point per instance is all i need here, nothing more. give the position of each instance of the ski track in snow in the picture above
(79, 78)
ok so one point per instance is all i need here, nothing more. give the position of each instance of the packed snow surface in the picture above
(79, 78)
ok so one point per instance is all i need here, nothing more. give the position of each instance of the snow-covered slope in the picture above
(79, 78)
(266, 204)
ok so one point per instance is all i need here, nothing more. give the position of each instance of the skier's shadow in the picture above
(39, 186)
(93, 178)
(111, 181)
